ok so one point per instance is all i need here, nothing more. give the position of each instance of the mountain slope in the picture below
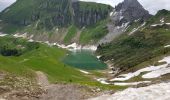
(122, 17)
(148, 41)
(52, 17)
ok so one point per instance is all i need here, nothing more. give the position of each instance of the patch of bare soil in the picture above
(63, 91)
(18, 88)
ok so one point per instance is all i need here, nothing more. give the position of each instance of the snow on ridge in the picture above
(136, 29)
(154, 25)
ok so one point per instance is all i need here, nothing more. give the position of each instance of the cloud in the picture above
(5, 3)
(154, 5)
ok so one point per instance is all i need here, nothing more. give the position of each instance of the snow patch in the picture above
(121, 17)
(85, 72)
(155, 71)
(102, 81)
(154, 25)
(166, 46)
(165, 69)
(111, 14)
(162, 20)
(17, 35)
(74, 47)
(131, 84)
(136, 29)
(154, 92)
(98, 57)
(2, 35)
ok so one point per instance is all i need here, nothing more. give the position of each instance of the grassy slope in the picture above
(94, 33)
(39, 16)
(12, 15)
(48, 60)
(72, 30)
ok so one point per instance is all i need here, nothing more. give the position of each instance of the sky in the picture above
(151, 5)
(5, 3)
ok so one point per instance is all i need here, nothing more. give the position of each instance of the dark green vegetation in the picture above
(128, 51)
(16, 47)
(84, 60)
(45, 16)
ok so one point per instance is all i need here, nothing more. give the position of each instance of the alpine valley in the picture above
(77, 50)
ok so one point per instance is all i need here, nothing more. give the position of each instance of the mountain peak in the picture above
(129, 11)
(128, 4)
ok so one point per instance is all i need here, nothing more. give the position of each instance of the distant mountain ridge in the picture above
(69, 21)
(51, 13)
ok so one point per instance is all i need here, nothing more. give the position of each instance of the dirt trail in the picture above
(42, 79)
(61, 91)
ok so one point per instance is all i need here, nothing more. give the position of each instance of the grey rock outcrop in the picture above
(129, 11)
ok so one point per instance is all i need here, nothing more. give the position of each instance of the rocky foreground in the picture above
(19, 88)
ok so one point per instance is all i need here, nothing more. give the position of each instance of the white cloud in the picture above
(5, 3)
(154, 5)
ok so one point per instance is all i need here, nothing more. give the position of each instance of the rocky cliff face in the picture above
(129, 11)
(86, 14)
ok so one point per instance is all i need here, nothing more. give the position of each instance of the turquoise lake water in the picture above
(84, 60)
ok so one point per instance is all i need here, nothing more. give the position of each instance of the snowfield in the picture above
(154, 92)
(152, 71)
(165, 69)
